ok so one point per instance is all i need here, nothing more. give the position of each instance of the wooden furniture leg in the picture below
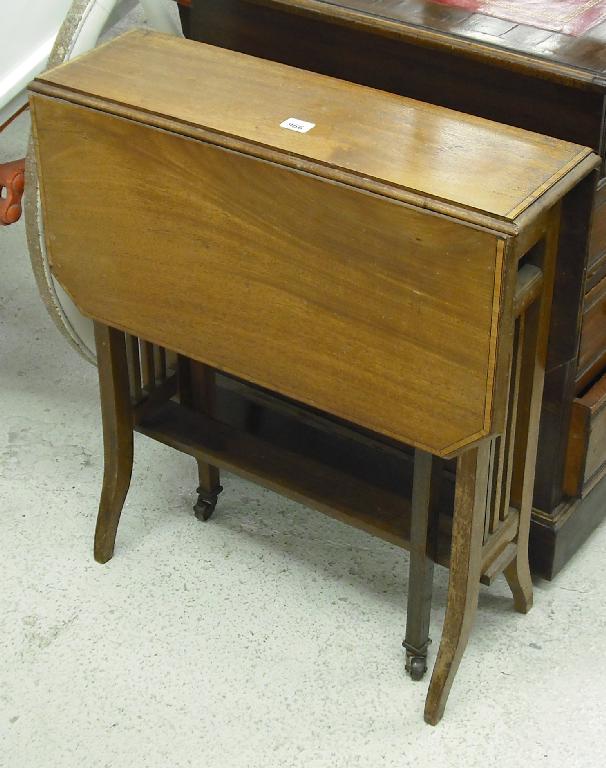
(197, 391)
(465, 571)
(535, 337)
(117, 417)
(526, 429)
(426, 484)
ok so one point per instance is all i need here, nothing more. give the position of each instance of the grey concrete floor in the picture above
(269, 636)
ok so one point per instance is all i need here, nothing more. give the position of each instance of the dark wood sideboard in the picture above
(539, 79)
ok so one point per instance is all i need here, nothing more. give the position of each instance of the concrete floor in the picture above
(269, 636)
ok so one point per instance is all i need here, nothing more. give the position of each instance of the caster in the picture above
(416, 666)
(203, 510)
(416, 659)
(205, 506)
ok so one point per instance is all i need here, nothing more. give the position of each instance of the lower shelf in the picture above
(325, 464)
(365, 485)
(350, 475)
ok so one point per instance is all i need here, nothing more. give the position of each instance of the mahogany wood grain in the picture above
(117, 414)
(299, 475)
(370, 133)
(519, 46)
(592, 353)
(423, 548)
(507, 442)
(596, 271)
(586, 459)
(133, 355)
(528, 287)
(570, 17)
(465, 572)
(357, 326)
(563, 349)
(534, 337)
(345, 238)
(597, 242)
(352, 266)
(452, 57)
(381, 299)
(429, 65)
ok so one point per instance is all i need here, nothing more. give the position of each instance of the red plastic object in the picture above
(572, 17)
(12, 183)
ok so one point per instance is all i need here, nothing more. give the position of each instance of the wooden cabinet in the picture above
(597, 241)
(544, 80)
(592, 352)
(586, 463)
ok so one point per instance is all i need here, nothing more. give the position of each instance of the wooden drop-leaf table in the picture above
(537, 65)
(377, 269)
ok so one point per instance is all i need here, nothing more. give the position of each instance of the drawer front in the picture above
(592, 353)
(377, 312)
(586, 458)
(597, 240)
(595, 272)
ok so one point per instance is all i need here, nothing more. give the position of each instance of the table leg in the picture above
(471, 496)
(536, 324)
(197, 391)
(117, 417)
(517, 572)
(426, 484)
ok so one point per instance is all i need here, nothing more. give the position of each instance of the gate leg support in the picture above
(197, 389)
(423, 526)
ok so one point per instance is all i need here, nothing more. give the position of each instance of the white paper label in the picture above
(300, 126)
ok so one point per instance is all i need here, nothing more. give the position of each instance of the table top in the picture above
(283, 278)
(565, 39)
(437, 155)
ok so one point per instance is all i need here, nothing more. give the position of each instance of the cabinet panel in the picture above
(586, 460)
(592, 353)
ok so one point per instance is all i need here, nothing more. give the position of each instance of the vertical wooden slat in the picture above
(490, 487)
(148, 377)
(172, 360)
(494, 489)
(134, 367)
(498, 500)
(514, 390)
(159, 363)
(501, 503)
(502, 453)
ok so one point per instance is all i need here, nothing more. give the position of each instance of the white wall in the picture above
(27, 33)
(28, 29)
